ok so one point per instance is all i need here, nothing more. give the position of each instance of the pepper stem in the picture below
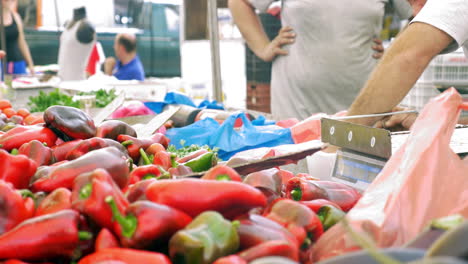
(223, 177)
(145, 157)
(127, 223)
(14, 151)
(130, 164)
(27, 193)
(127, 143)
(85, 235)
(174, 163)
(86, 191)
(296, 194)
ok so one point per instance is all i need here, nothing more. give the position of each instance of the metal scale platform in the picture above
(365, 150)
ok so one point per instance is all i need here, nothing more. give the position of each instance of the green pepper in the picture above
(330, 215)
(203, 162)
(208, 237)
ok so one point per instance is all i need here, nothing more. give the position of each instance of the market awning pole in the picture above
(214, 44)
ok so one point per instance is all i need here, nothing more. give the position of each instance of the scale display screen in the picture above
(355, 169)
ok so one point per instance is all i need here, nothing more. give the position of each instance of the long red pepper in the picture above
(19, 135)
(124, 255)
(221, 173)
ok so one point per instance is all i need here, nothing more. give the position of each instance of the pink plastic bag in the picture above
(422, 181)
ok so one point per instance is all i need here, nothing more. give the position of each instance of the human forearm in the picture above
(25, 52)
(398, 71)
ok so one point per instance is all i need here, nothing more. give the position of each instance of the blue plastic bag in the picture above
(226, 138)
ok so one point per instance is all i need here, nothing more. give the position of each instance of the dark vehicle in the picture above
(155, 23)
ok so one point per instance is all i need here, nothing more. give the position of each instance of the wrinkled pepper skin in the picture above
(256, 229)
(43, 237)
(89, 197)
(61, 151)
(113, 128)
(315, 205)
(270, 248)
(194, 196)
(49, 178)
(90, 144)
(267, 179)
(208, 237)
(146, 224)
(302, 222)
(69, 123)
(16, 169)
(137, 191)
(222, 173)
(59, 199)
(19, 135)
(13, 208)
(105, 239)
(344, 196)
(36, 151)
(232, 259)
(134, 144)
(125, 255)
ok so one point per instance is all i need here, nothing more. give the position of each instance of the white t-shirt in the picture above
(450, 16)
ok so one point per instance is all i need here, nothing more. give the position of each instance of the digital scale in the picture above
(365, 150)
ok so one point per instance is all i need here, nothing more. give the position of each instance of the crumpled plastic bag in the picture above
(422, 181)
(132, 108)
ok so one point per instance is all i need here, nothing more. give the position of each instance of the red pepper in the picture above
(344, 196)
(113, 128)
(60, 151)
(69, 123)
(134, 144)
(265, 179)
(315, 205)
(222, 173)
(89, 193)
(153, 148)
(16, 169)
(194, 196)
(19, 135)
(14, 210)
(231, 259)
(15, 261)
(256, 229)
(180, 170)
(269, 248)
(125, 255)
(49, 178)
(192, 155)
(137, 191)
(164, 159)
(147, 172)
(36, 151)
(59, 199)
(105, 239)
(43, 237)
(91, 144)
(146, 223)
(302, 222)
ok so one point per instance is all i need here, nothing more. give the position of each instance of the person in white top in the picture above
(439, 26)
(76, 44)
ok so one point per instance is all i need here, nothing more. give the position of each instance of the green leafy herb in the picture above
(103, 97)
(185, 150)
(41, 102)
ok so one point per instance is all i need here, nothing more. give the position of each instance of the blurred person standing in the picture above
(17, 51)
(323, 54)
(128, 65)
(76, 42)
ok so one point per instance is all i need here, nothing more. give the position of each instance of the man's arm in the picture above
(398, 71)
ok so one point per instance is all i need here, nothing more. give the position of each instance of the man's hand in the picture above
(399, 122)
(109, 65)
(378, 48)
(274, 48)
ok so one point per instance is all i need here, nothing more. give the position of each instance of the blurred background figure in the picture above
(17, 50)
(76, 43)
(128, 65)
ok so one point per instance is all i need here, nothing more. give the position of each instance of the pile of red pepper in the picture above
(71, 191)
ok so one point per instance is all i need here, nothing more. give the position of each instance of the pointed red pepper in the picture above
(14, 208)
(269, 248)
(192, 155)
(19, 135)
(148, 172)
(90, 144)
(60, 151)
(344, 196)
(301, 221)
(137, 191)
(89, 193)
(113, 128)
(125, 255)
(38, 152)
(231, 259)
(315, 205)
(194, 196)
(16, 169)
(222, 173)
(49, 178)
(59, 199)
(146, 223)
(266, 179)
(105, 239)
(43, 237)
(134, 144)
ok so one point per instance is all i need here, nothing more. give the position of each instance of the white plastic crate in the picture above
(447, 70)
